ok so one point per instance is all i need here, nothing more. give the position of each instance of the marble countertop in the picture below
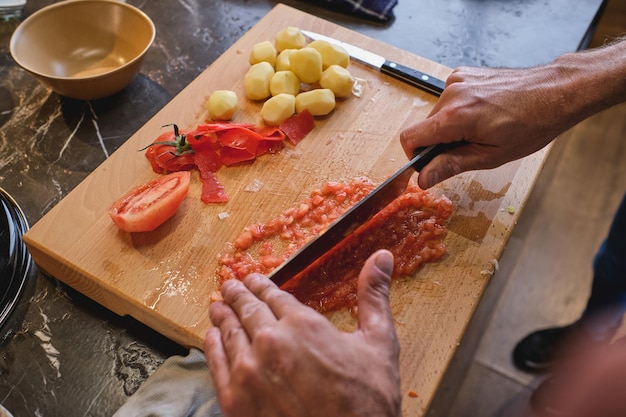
(63, 354)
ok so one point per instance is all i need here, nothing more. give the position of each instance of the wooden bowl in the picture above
(84, 49)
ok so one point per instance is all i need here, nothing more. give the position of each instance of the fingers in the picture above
(216, 358)
(441, 168)
(429, 132)
(234, 338)
(280, 302)
(257, 302)
(374, 312)
(448, 122)
(424, 133)
(250, 312)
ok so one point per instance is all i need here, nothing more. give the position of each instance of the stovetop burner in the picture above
(16, 264)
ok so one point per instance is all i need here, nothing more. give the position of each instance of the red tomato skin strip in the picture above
(212, 189)
(149, 205)
(270, 133)
(216, 127)
(214, 145)
(298, 126)
(208, 163)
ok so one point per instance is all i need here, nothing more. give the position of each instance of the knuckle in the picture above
(229, 404)
(268, 340)
(250, 309)
(231, 333)
(245, 370)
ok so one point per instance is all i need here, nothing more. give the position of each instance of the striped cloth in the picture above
(371, 9)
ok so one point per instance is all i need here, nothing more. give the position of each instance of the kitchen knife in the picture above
(403, 73)
(358, 214)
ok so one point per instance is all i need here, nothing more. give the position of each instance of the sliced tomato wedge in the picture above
(147, 206)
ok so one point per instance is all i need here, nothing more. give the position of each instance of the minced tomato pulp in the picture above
(411, 227)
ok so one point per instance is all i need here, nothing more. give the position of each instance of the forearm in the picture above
(591, 81)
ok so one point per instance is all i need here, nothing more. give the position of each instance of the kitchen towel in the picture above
(181, 387)
(371, 9)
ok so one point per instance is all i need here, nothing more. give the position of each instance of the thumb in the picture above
(374, 312)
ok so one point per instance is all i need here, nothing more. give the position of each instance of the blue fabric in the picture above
(608, 290)
(371, 9)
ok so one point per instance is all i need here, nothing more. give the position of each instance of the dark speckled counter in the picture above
(63, 355)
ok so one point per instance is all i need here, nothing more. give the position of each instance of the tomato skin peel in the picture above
(149, 205)
(210, 146)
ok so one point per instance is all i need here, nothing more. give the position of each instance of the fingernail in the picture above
(384, 262)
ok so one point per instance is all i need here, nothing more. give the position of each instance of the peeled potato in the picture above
(282, 60)
(331, 54)
(289, 37)
(263, 51)
(284, 82)
(257, 81)
(306, 63)
(319, 102)
(278, 109)
(337, 79)
(222, 104)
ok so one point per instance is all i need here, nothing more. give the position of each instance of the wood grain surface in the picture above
(164, 278)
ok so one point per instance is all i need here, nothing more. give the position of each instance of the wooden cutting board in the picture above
(164, 278)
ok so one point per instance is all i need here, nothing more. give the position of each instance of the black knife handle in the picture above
(413, 77)
(429, 152)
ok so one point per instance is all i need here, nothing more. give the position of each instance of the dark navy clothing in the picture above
(608, 290)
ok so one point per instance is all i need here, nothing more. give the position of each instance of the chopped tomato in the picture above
(147, 206)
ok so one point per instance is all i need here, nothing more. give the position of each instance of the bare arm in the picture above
(505, 114)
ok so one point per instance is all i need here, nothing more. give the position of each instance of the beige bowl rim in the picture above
(140, 55)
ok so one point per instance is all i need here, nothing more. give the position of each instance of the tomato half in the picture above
(147, 206)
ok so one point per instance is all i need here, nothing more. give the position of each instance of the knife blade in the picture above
(394, 69)
(358, 214)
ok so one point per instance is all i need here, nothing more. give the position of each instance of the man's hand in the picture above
(272, 356)
(502, 115)
(505, 114)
